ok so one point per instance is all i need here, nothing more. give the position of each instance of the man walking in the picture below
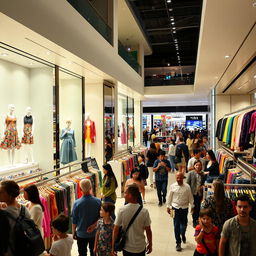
(85, 214)
(161, 168)
(135, 240)
(179, 198)
(239, 231)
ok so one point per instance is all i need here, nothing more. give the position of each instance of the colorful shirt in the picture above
(105, 237)
(209, 239)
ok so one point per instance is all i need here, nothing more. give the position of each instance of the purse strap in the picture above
(206, 247)
(133, 218)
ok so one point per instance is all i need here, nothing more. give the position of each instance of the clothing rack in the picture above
(241, 110)
(121, 154)
(52, 171)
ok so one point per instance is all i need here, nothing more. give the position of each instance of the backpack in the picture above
(27, 237)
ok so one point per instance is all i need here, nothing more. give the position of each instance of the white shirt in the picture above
(172, 149)
(62, 247)
(37, 213)
(135, 242)
(180, 196)
(192, 161)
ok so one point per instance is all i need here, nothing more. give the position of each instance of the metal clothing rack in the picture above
(242, 110)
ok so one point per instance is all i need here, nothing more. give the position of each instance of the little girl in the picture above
(206, 235)
(103, 238)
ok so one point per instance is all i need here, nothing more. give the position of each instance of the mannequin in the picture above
(123, 132)
(67, 150)
(10, 141)
(89, 134)
(28, 138)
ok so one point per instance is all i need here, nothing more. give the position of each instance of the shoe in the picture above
(160, 204)
(151, 185)
(184, 239)
(178, 248)
(164, 200)
(143, 201)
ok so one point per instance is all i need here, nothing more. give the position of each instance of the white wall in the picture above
(41, 101)
(71, 109)
(94, 105)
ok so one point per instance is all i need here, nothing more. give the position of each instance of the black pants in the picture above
(197, 203)
(82, 244)
(161, 187)
(125, 253)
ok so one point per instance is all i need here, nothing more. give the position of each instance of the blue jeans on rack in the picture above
(180, 222)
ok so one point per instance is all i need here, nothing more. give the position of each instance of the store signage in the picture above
(197, 118)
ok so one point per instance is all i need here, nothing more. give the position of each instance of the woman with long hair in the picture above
(109, 184)
(219, 204)
(35, 206)
(212, 168)
(151, 158)
(108, 149)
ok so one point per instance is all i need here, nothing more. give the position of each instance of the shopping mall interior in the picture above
(94, 82)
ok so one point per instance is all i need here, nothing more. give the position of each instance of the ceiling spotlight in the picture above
(168, 64)
(173, 23)
(227, 56)
(4, 54)
(172, 19)
(254, 77)
(169, 1)
(216, 77)
(170, 10)
(173, 28)
(174, 32)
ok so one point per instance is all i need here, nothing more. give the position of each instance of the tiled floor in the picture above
(162, 227)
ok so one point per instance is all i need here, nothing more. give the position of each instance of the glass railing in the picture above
(129, 58)
(173, 81)
(91, 15)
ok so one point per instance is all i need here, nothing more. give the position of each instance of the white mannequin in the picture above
(11, 152)
(29, 156)
(88, 146)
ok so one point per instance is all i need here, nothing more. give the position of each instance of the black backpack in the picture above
(27, 237)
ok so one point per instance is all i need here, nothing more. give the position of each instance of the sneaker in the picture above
(184, 239)
(164, 200)
(178, 248)
(160, 204)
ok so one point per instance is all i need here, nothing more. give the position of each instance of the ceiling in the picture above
(173, 30)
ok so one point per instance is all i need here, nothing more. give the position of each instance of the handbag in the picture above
(121, 239)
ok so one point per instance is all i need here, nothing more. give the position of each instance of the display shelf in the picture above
(11, 170)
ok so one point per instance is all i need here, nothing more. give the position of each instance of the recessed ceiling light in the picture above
(4, 54)
(227, 56)
(174, 32)
(173, 23)
(254, 76)
(173, 28)
(216, 77)
(169, 1)
(168, 64)
(172, 19)
(170, 10)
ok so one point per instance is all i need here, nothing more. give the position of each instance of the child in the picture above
(103, 238)
(62, 244)
(206, 235)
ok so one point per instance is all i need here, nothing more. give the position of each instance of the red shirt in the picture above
(209, 238)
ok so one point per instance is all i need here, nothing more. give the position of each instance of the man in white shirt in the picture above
(179, 198)
(196, 156)
(135, 242)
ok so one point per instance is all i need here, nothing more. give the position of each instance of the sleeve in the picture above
(155, 164)
(55, 249)
(63, 135)
(225, 230)
(98, 224)
(197, 230)
(118, 220)
(169, 198)
(111, 189)
(147, 220)
(191, 198)
(190, 163)
(189, 178)
(74, 214)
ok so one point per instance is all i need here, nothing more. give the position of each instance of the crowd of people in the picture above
(96, 226)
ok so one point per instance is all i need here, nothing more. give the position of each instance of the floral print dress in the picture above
(104, 245)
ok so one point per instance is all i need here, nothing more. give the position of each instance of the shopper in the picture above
(108, 149)
(9, 191)
(189, 142)
(35, 207)
(212, 169)
(239, 232)
(85, 214)
(4, 232)
(161, 168)
(109, 184)
(103, 238)
(135, 243)
(62, 242)
(181, 156)
(196, 179)
(207, 235)
(179, 198)
(220, 205)
(196, 157)
(158, 145)
(143, 169)
(206, 143)
(171, 153)
(151, 158)
(145, 136)
(136, 179)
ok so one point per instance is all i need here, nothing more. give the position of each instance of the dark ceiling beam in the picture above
(177, 28)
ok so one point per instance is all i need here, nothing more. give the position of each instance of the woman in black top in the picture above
(212, 168)
(151, 158)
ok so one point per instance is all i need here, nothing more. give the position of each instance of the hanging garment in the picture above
(224, 139)
(123, 135)
(67, 150)
(253, 123)
(238, 132)
(11, 139)
(222, 129)
(27, 130)
(233, 137)
(217, 134)
(89, 131)
(229, 133)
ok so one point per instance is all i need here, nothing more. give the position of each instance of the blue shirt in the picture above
(86, 211)
(161, 173)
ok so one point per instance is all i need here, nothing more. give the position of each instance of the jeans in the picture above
(161, 187)
(197, 203)
(180, 222)
(82, 244)
(125, 253)
(171, 158)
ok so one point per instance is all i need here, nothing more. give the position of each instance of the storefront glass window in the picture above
(130, 122)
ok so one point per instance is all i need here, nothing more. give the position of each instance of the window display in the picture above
(130, 116)
(122, 122)
(89, 134)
